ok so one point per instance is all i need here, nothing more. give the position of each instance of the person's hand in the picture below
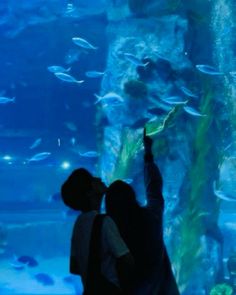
(147, 142)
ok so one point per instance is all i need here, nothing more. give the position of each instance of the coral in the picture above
(136, 89)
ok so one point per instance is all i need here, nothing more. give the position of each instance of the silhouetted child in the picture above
(98, 253)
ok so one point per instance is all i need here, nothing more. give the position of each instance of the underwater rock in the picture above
(146, 72)
(136, 89)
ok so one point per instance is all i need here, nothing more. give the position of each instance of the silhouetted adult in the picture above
(98, 253)
(142, 229)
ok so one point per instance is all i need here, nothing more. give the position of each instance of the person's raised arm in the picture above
(152, 176)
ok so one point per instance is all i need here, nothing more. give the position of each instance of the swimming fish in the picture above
(134, 60)
(71, 126)
(69, 279)
(36, 143)
(73, 140)
(128, 180)
(18, 265)
(83, 43)
(39, 157)
(175, 100)
(4, 100)
(221, 195)
(193, 112)
(28, 260)
(72, 56)
(90, 154)
(110, 98)
(44, 279)
(209, 70)
(67, 78)
(58, 69)
(188, 92)
(94, 74)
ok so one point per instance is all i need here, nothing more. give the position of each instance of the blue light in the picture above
(65, 165)
(7, 158)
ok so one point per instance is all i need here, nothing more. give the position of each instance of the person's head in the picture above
(120, 201)
(81, 191)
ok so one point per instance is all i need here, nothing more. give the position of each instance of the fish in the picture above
(209, 70)
(44, 279)
(71, 126)
(18, 265)
(69, 279)
(83, 43)
(134, 60)
(36, 143)
(4, 100)
(174, 100)
(67, 78)
(110, 98)
(188, 92)
(221, 195)
(94, 74)
(193, 112)
(90, 154)
(39, 157)
(128, 180)
(58, 69)
(28, 260)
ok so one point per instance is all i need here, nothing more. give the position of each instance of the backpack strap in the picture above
(94, 260)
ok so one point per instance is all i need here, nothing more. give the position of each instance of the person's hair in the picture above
(75, 189)
(121, 204)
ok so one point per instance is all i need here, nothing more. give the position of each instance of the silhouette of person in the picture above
(142, 229)
(98, 253)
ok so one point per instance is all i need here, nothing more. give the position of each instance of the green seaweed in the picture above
(136, 89)
(222, 289)
(187, 256)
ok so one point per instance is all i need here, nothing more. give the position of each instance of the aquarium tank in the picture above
(79, 81)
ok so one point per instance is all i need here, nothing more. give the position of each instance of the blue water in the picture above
(194, 146)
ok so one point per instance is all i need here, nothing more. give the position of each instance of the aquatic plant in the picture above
(222, 289)
(136, 89)
(187, 257)
(131, 146)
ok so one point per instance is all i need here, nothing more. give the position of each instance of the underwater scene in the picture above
(79, 81)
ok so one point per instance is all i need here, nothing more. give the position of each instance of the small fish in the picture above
(71, 126)
(209, 70)
(90, 154)
(134, 60)
(18, 265)
(188, 92)
(94, 74)
(128, 180)
(83, 43)
(110, 98)
(28, 260)
(193, 112)
(72, 56)
(67, 78)
(36, 143)
(44, 279)
(39, 157)
(58, 69)
(174, 100)
(4, 100)
(221, 195)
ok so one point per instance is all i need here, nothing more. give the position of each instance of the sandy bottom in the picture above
(23, 281)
